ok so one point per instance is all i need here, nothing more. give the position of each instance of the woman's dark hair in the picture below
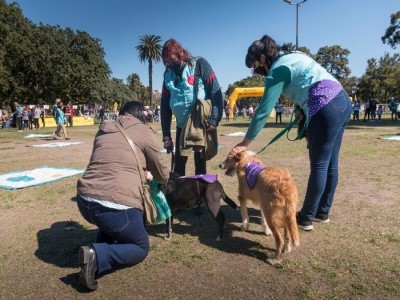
(172, 46)
(267, 46)
(133, 108)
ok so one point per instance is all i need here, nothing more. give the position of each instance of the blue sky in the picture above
(220, 30)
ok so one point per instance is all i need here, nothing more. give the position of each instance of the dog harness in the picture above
(252, 170)
(207, 178)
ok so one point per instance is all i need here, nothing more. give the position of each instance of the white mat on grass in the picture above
(55, 144)
(239, 133)
(42, 175)
(160, 131)
(391, 137)
(38, 135)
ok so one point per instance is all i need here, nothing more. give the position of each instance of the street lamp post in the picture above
(297, 17)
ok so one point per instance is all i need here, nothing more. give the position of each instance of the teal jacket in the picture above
(179, 95)
(291, 75)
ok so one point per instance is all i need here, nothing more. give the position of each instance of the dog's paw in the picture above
(218, 239)
(287, 248)
(267, 231)
(273, 261)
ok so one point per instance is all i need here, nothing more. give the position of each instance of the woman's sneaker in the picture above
(303, 224)
(321, 218)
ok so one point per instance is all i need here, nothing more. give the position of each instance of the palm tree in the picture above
(149, 49)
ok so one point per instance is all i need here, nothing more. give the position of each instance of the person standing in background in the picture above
(71, 115)
(186, 80)
(278, 111)
(36, 115)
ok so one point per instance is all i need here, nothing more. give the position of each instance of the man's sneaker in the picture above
(302, 224)
(321, 218)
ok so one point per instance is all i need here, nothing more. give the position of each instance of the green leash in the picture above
(287, 129)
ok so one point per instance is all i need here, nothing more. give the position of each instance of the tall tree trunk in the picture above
(151, 83)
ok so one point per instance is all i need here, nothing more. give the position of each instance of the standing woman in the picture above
(179, 96)
(109, 194)
(327, 109)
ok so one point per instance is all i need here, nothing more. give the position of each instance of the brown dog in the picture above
(274, 191)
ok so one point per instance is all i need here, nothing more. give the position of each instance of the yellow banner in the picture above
(77, 121)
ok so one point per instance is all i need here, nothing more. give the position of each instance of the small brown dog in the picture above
(274, 190)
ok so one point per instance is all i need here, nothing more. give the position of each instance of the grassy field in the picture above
(356, 256)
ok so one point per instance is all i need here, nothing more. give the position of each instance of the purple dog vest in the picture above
(252, 170)
(208, 178)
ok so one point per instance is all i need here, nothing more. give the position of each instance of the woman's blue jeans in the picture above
(324, 132)
(122, 239)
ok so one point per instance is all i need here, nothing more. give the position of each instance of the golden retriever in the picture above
(275, 192)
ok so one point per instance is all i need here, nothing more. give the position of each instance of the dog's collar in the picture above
(252, 171)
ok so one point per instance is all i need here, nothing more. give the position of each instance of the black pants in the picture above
(180, 161)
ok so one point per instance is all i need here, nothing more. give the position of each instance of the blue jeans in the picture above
(325, 131)
(180, 161)
(122, 239)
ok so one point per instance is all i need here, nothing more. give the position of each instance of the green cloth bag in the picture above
(163, 210)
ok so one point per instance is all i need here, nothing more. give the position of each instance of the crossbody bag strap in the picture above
(197, 77)
(132, 145)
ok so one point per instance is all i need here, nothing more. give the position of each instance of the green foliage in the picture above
(392, 34)
(39, 63)
(137, 87)
(307, 51)
(149, 49)
(334, 59)
(381, 78)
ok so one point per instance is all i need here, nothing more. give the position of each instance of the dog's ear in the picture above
(239, 156)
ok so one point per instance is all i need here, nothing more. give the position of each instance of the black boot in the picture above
(88, 264)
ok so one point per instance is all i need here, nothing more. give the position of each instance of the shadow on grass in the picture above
(59, 245)
(206, 230)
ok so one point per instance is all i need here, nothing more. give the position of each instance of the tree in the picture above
(334, 59)
(306, 51)
(134, 84)
(392, 34)
(116, 91)
(350, 85)
(381, 78)
(149, 49)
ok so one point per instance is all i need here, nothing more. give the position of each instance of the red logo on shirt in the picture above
(191, 80)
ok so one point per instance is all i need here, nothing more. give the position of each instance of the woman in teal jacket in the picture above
(186, 79)
(327, 108)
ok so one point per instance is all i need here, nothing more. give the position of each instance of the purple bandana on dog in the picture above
(209, 178)
(252, 170)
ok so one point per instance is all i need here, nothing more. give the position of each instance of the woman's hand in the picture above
(149, 176)
(169, 145)
(210, 127)
(242, 146)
